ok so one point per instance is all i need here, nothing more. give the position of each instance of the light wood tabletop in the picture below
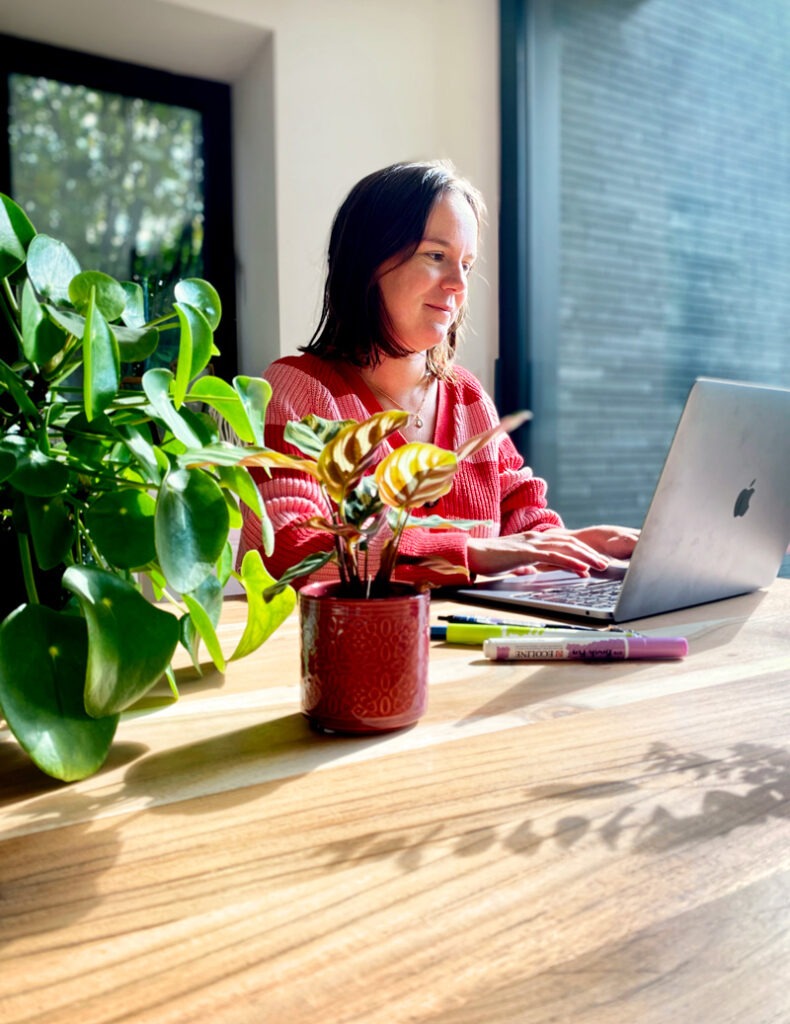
(575, 842)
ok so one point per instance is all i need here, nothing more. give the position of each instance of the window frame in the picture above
(529, 246)
(212, 100)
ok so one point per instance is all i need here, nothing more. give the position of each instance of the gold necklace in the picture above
(418, 420)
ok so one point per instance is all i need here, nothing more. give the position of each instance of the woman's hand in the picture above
(576, 551)
(612, 541)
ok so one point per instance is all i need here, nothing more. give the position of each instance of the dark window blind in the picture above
(672, 230)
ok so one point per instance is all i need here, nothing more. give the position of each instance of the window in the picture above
(645, 228)
(130, 167)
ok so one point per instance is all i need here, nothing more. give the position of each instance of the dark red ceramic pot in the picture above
(364, 661)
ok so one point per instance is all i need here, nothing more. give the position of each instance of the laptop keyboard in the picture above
(582, 593)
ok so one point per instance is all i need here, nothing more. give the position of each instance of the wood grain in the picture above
(594, 843)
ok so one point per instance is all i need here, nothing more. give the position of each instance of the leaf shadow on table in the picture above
(703, 797)
(668, 799)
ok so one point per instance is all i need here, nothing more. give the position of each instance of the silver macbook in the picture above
(718, 524)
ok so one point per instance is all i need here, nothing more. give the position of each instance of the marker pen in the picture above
(476, 633)
(613, 648)
(482, 620)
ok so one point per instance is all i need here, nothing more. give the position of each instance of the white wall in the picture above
(324, 92)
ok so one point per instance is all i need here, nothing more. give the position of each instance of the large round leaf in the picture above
(67, 319)
(41, 338)
(89, 451)
(43, 660)
(134, 310)
(110, 297)
(196, 343)
(156, 385)
(263, 616)
(50, 266)
(101, 361)
(16, 233)
(130, 642)
(121, 524)
(7, 464)
(51, 528)
(204, 606)
(36, 473)
(242, 405)
(192, 522)
(20, 390)
(203, 296)
(143, 452)
(254, 393)
(240, 481)
(135, 344)
(218, 394)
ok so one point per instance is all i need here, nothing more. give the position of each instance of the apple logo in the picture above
(743, 499)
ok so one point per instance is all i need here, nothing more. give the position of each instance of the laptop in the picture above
(718, 524)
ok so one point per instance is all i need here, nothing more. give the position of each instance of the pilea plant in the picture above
(106, 483)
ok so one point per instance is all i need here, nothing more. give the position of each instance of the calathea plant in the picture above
(364, 495)
(105, 484)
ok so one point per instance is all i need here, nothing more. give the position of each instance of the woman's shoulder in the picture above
(305, 365)
(465, 380)
(306, 384)
(466, 388)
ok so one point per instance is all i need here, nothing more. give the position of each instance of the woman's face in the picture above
(423, 294)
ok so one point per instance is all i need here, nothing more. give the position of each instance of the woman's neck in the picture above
(398, 377)
(406, 384)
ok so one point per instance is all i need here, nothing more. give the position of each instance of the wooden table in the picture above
(557, 842)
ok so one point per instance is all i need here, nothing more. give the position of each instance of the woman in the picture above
(402, 247)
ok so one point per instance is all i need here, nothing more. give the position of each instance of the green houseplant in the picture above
(365, 639)
(105, 484)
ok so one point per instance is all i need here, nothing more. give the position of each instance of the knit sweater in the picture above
(493, 484)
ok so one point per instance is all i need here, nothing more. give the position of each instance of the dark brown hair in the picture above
(384, 216)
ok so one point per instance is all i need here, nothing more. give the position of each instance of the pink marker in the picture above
(611, 648)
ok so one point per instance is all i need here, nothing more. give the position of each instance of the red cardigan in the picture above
(492, 484)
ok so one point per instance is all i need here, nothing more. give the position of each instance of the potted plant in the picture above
(105, 484)
(364, 640)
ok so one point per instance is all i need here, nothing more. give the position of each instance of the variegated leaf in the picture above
(348, 532)
(434, 563)
(311, 433)
(278, 460)
(415, 474)
(346, 457)
(441, 523)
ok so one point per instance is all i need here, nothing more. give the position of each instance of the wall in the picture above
(324, 92)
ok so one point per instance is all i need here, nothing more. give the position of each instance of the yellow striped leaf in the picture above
(415, 474)
(346, 457)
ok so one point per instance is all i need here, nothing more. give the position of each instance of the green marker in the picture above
(473, 634)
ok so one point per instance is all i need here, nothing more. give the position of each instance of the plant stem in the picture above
(390, 551)
(95, 553)
(171, 678)
(27, 568)
(9, 308)
(163, 319)
(11, 299)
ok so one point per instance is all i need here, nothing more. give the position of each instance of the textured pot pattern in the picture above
(364, 662)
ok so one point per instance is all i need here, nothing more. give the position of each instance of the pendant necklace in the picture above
(418, 420)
